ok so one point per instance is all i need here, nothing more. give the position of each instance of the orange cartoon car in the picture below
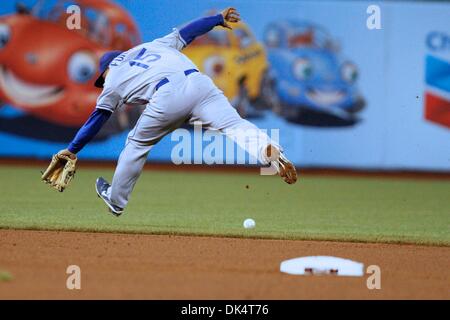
(48, 70)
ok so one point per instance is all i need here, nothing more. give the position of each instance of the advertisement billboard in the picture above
(340, 93)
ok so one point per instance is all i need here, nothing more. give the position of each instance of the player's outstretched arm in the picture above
(204, 25)
(87, 132)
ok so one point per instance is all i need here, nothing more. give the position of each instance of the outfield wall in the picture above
(399, 75)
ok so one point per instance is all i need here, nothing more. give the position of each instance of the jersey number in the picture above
(143, 58)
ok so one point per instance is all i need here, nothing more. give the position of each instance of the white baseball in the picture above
(249, 223)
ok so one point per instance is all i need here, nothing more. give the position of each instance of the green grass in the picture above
(322, 208)
(5, 276)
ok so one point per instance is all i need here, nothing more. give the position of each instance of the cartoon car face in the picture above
(48, 70)
(234, 59)
(310, 77)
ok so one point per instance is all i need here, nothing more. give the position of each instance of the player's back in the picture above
(135, 73)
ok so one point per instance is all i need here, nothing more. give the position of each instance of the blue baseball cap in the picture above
(105, 60)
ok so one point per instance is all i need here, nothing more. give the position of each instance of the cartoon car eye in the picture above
(214, 65)
(349, 72)
(244, 37)
(5, 34)
(272, 38)
(82, 66)
(302, 69)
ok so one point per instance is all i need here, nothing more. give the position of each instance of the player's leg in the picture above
(128, 169)
(158, 119)
(216, 112)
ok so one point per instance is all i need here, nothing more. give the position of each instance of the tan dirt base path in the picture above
(126, 266)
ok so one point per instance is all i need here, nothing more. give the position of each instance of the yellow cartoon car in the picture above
(237, 63)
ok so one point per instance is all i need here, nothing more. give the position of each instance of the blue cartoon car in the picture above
(314, 85)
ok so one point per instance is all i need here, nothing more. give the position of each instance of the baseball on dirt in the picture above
(249, 223)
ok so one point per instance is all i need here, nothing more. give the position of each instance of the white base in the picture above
(322, 265)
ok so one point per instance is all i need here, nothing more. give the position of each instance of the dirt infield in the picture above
(125, 266)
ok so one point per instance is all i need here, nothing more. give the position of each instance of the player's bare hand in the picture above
(230, 15)
(66, 152)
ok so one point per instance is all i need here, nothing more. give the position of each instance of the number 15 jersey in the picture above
(133, 75)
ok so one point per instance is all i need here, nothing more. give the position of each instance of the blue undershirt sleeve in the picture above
(88, 131)
(199, 27)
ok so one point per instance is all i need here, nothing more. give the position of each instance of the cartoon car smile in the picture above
(314, 86)
(47, 70)
(31, 94)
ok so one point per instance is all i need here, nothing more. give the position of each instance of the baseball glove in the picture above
(60, 171)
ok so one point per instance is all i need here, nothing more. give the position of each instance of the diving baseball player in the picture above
(158, 75)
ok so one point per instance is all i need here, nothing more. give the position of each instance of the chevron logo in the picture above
(437, 94)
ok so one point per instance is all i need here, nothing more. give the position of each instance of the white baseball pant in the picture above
(193, 98)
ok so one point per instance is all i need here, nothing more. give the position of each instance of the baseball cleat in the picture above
(101, 186)
(284, 167)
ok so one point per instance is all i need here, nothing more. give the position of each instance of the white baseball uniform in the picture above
(132, 79)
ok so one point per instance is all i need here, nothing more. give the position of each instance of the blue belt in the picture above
(165, 80)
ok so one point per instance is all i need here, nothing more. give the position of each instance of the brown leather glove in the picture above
(230, 15)
(61, 170)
